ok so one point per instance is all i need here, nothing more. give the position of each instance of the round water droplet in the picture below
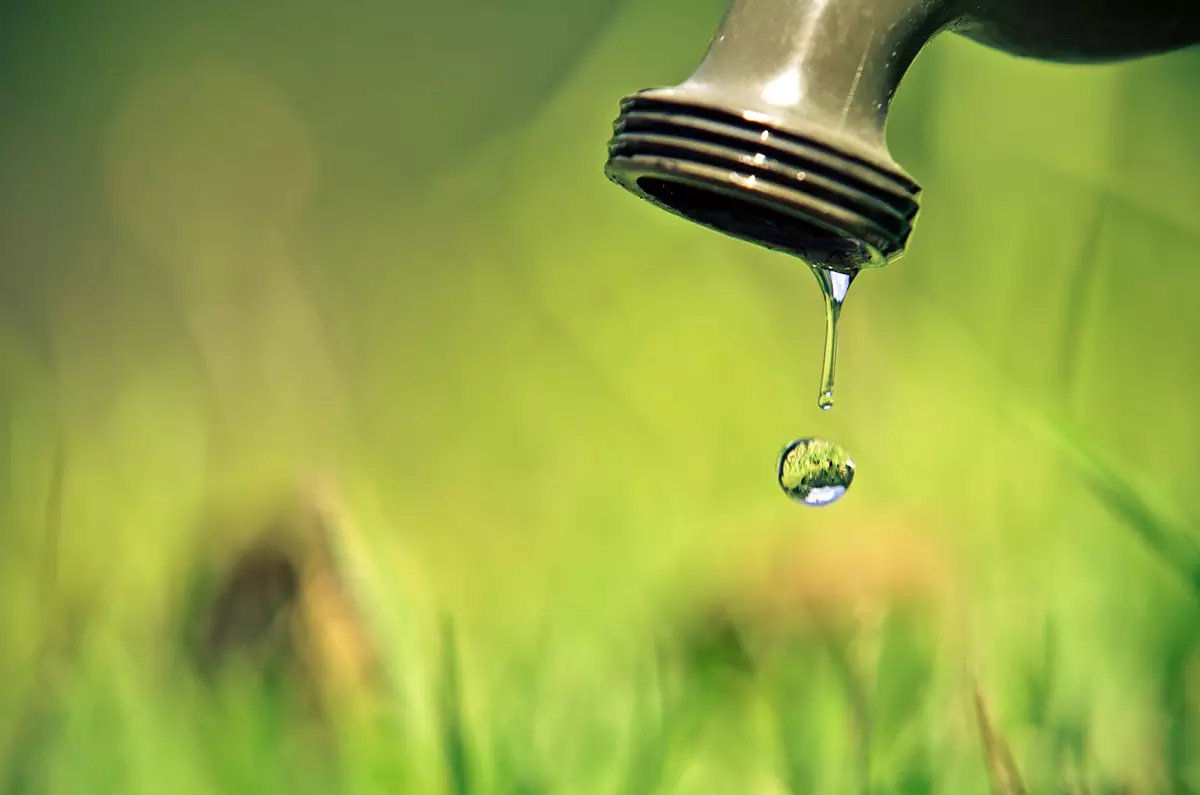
(815, 472)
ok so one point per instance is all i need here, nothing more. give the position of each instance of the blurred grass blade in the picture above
(649, 754)
(454, 735)
(52, 533)
(1040, 681)
(855, 691)
(1168, 542)
(1181, 744)
(26, 759)
(1002, 769)
(1082, 290)
(798, 717)
(904, 672)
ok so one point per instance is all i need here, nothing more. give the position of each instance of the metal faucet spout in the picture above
(778, 137)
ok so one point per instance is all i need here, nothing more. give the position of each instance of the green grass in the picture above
(842, 707)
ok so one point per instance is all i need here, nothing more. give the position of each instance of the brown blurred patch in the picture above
(252, 605)
(282, 601)
(848, 572)
(829, 594)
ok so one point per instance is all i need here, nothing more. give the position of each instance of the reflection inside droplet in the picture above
(815, 472)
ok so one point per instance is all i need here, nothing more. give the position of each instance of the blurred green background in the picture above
(245, 242)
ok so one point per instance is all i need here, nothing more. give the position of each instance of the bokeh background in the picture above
(247, 244)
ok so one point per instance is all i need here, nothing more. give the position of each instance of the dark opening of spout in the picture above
(759, 223)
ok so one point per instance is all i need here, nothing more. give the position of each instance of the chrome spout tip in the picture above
(758, 182)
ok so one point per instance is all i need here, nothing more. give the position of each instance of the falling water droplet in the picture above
(834, 286)
(815, 472)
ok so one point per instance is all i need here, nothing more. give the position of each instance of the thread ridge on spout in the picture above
(756, 182)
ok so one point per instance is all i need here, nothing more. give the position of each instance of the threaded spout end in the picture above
(761, 183)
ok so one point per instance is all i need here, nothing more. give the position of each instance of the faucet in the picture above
(778, 138)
